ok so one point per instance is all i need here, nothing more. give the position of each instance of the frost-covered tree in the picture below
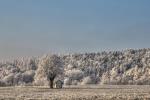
(50, 66)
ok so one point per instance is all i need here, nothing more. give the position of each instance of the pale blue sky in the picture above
(34, 27)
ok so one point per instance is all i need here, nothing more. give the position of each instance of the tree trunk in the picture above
(51, 84)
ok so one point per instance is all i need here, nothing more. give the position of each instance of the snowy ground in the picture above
(123, 92)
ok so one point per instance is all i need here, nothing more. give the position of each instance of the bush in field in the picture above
(67, 81)
(105, 79)
(2, 83)
(18, 79)
(74, 82)
(90, 80)
(28, 76)
(87, 80)
(50, 66)
(9, 79)
(75, 74)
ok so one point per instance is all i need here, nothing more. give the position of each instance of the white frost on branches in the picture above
(114, 67)
(50, 67)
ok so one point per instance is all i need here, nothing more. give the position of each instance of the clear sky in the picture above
(34, 27)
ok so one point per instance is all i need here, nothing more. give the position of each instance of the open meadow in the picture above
(105, 92)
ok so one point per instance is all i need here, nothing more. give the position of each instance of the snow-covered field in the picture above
(95, 92)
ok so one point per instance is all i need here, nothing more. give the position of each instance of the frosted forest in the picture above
(126, 67)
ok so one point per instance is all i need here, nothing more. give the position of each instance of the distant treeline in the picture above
(114, 67)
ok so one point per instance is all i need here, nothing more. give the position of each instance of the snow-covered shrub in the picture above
(18, 79)
(105, 79)
(67, 81)
(2, 83)
(75, 74)
(28, 76)
(75, 82)
(90, 80)
(40, 77)
(9, 79)
(87, 80)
